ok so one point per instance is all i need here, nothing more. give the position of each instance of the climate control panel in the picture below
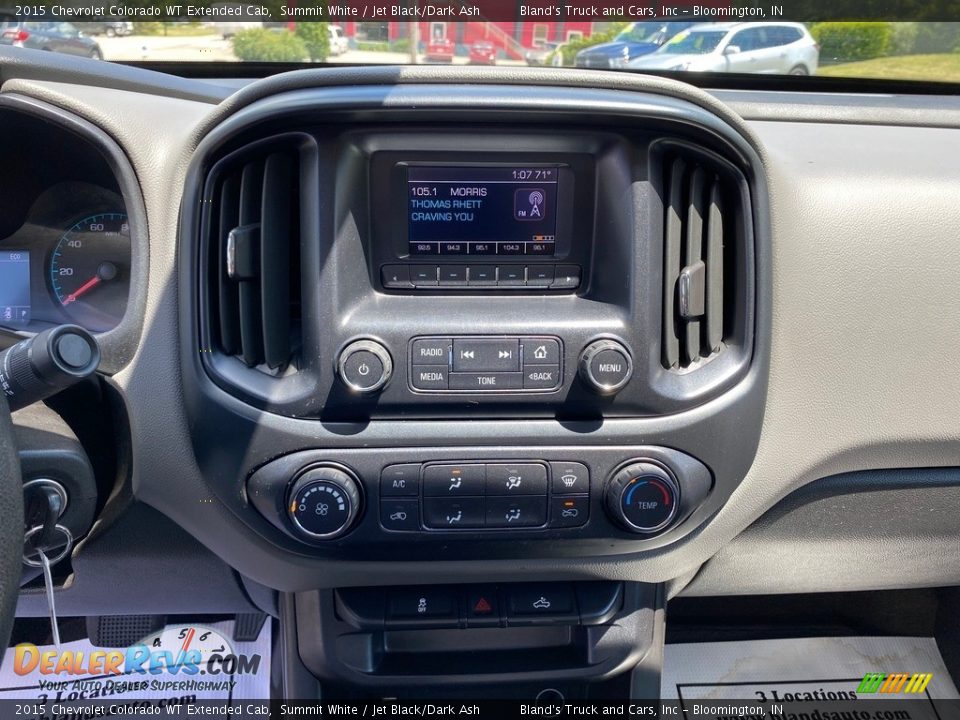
(479, 502)
(485, 496)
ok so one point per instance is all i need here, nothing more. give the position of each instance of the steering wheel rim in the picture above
(11, 524)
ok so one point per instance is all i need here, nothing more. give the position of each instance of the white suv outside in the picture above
(776, 48)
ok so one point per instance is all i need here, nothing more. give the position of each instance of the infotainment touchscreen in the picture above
(482, 209)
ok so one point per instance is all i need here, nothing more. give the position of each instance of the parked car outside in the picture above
(549, 53)
(60, 37)
(110, 28)
(483, 52)
(635, 40)
(338, 41)
(757, 47)
(440, 50)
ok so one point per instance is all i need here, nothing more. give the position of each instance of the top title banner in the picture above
(498, 10)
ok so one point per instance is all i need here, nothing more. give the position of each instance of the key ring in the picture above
(68, 538)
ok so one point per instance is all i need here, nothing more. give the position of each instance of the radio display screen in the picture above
(482, 210)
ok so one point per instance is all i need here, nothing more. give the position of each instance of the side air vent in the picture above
(253, 239)
(703, 225)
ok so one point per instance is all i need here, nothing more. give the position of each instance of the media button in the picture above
(485, 354)
(442, 513)
(507, 512)
(421, 275)
(540, 351)
(453, 248)
(431, 351)
(541, 377)
(424, 248)
(483, 275)
(396, 276)
(453, 480)
(540, 275)
(512, 275)
(453, 274)
(516, 479)
(430, 377)
(486, 382)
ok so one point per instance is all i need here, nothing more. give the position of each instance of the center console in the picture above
(442, 348)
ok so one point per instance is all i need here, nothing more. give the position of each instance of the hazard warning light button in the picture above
(482, 607)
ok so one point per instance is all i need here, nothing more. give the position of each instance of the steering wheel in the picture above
(11, 524)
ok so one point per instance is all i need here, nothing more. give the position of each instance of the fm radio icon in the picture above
(529, 204)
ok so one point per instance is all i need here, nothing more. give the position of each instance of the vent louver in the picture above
(701, 208)
(253, 244)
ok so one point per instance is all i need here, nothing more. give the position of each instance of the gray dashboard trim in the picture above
(880, 529)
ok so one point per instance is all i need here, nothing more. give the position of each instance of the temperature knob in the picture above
(643, 497)
(323, 502)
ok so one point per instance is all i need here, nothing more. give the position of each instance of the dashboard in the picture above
(462, 324)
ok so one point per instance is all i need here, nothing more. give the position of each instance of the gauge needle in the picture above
(87, 286)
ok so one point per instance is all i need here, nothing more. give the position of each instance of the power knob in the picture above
(605, 366)
(643, 498)
(365, 366)
(323, 502)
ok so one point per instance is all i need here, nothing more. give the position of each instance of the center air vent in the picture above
(253, 237)
(704, 234)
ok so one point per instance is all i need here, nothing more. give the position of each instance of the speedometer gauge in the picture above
(90, 270)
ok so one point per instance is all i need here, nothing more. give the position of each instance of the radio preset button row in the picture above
(482, 277)
(485, 364)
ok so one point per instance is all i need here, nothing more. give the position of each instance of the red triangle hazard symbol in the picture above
(482, 606)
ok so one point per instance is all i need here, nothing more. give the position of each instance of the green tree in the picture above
(316, 37)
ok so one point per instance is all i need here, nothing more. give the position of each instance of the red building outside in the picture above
(513, 38)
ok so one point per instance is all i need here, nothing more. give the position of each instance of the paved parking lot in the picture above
(213, 48)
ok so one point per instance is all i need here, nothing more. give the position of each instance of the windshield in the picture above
(284, 31)
(695, 43)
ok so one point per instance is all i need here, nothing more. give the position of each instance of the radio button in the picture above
(453, 480)
(540, 351)
(567, 277)
(483, 275)
(431, 351)
(422, 275)
(396, 276)
(510, 249)
(486, 354)
(516, 479)
(453, 513)
(511, 275)
(482, 248)
(486, 381)
(539, 248)
(541, 377)
(507, 512)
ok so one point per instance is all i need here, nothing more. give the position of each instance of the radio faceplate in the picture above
(485, 364)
